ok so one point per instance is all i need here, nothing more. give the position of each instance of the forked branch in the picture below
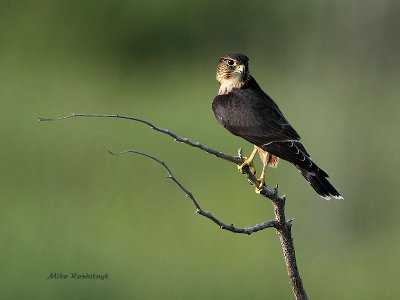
(282, 226)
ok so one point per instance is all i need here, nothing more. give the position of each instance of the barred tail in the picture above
(319, 182)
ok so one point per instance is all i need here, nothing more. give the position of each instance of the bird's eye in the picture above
(230, 62)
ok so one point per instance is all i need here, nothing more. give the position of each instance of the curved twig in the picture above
(199, 210)
(177, 138)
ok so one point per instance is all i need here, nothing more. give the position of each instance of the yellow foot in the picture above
(248, 163)
(260, 185)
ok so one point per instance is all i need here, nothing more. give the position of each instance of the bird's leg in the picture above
(265, 159)
(249, 162)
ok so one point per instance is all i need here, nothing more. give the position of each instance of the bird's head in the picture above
(232, 72)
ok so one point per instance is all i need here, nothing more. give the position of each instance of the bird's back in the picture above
(250, 113)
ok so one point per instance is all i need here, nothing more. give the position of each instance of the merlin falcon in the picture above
(245, 110)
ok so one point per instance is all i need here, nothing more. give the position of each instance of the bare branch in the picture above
(265, 191)
(282, 226)
(177, 138)
(199, 210)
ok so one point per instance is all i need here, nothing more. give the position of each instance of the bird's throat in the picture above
(228, 85)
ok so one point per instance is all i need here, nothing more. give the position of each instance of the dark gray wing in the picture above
(254, 116)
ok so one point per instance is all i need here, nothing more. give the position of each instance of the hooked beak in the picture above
(242, 70)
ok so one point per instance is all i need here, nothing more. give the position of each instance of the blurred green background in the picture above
(69, 206)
